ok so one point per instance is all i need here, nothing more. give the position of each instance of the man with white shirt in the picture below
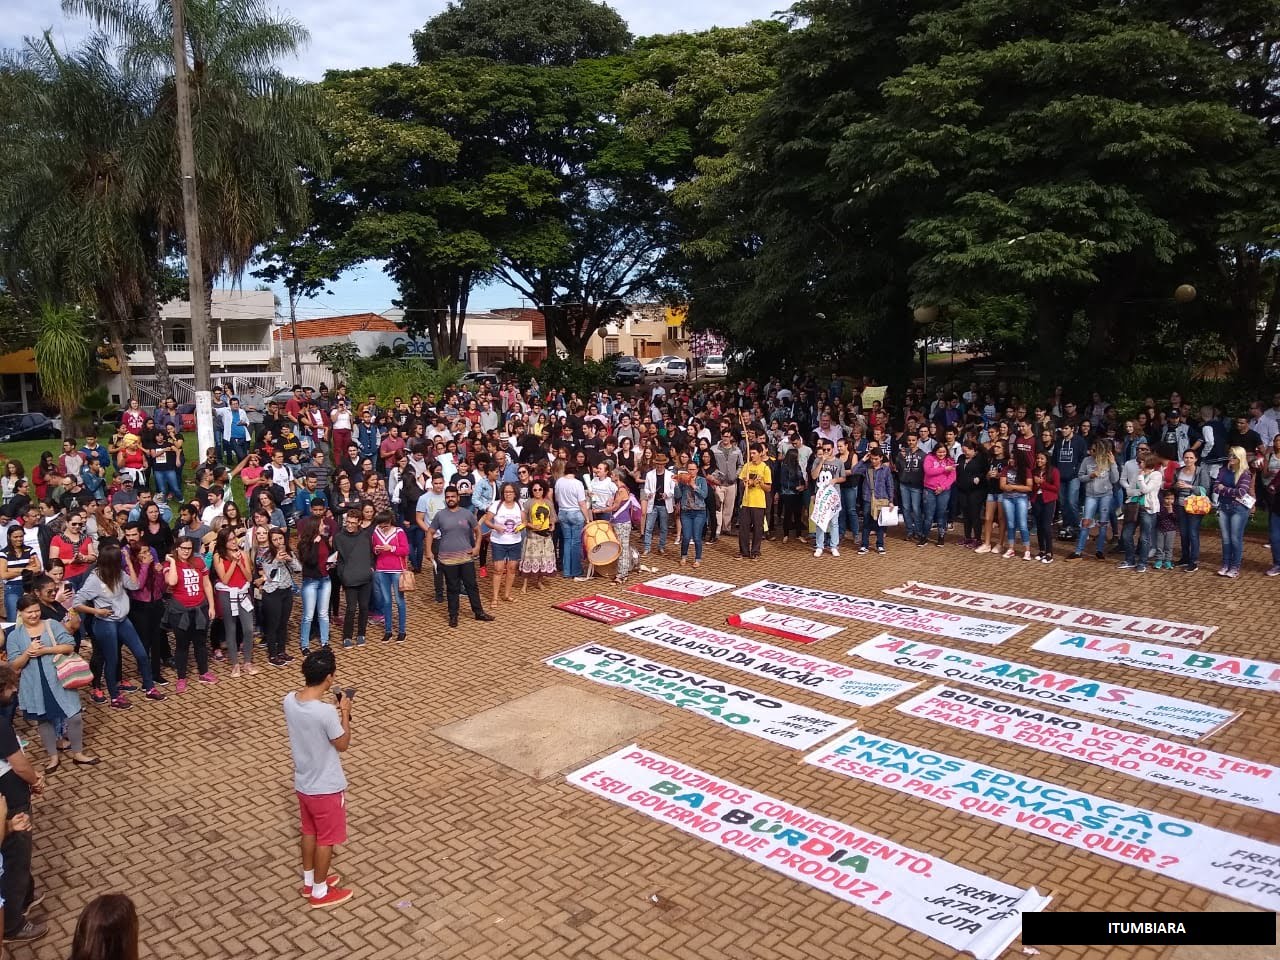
(657, 499)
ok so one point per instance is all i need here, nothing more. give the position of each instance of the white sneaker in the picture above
(818, 552)
(835, 552)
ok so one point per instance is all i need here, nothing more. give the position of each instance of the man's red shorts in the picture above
(324, 816)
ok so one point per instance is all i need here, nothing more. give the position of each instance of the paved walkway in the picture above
(453, 855)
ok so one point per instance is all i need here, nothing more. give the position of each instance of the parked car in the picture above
(715, 366)
(627, 371)
(675, 369)
(477, 378)
(654, 367)
(27, 426)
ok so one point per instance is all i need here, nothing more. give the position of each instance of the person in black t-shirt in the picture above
(18, 781)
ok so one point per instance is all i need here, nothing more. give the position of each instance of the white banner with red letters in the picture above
(952, 904)
(897, 616)
(788, 626)
(1202, 772)
(678, 587)
(1198, 664)
(1061, 615)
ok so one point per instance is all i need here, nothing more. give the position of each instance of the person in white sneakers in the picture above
(318, 732)
(827, 473)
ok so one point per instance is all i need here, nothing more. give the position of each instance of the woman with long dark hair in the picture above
(278, 570)
(233, 576)
(18, 564)
(1015, 488)
(314, 550)
(187, 609)
(107, 930)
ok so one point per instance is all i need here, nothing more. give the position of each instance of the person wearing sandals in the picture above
(32, 646)
(538, 555)
(233, 577)
(1015, 488)
(505, 521)
(187, 607)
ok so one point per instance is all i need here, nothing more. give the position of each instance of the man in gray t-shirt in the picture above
(318, 732)
(457, 538)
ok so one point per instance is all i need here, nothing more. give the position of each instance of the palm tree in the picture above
(63, 357)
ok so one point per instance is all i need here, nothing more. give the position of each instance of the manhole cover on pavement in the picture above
(549, 730)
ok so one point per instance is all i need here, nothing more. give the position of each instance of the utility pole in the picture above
(293, 326)
(200, 348)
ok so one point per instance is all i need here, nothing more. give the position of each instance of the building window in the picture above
(673, 333)
(179, 335)
(610, 345)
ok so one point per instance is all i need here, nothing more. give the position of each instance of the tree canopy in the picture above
(523, 32)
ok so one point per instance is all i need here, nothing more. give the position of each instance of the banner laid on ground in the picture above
(682, 589)
(951, 904)
(1182, 718)
(1214, 667)
(1205, 857)
(778, 721)
(880, 612)
(603, 609)
(1074, 618)
(1202, 772)
(836, 680)
(785, 625)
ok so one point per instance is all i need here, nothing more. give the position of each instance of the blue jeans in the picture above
(12, 594)
(935, 511)
(387, 585)
(168, 482)
(1189, 536)
(109, 634)
(417, 541)
(832, 530)
(1145, 526)
(849, 510)
(1015, 518)
(1273, 534)
(1069, 498)
(693, 523)
(1231, 522)
(315, 603)
(571, 525)
(913, 510)
(1095, 508)
(657, 517)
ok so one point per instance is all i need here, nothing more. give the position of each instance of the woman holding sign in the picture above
(691, 497)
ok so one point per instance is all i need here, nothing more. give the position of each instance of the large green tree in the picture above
(522, 32)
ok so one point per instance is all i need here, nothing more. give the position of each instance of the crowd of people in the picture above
(335, 505)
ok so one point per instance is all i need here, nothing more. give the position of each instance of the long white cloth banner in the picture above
(951, 904)
(1198, 664)
(1139, 628)
(1202, 772)
(1202, 856)
(778, 721)
(883, 613)
(836, 680)
(1182, 718)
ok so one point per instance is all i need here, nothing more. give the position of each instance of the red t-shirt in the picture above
(133, 420)
(67, 550)
(189, 590)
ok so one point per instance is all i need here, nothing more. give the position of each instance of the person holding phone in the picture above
(318, 732)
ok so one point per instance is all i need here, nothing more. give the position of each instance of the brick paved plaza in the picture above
(454, 855)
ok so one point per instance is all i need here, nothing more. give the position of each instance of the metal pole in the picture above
(191, 227)
(293, 326)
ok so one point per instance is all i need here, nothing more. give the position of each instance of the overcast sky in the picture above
(350, 33)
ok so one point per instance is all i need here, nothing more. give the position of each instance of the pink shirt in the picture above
(939, 474)
(399, 543)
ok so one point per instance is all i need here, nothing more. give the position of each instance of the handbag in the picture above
(408, 581)
(73, 672)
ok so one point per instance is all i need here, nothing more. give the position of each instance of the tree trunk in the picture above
(155, 326)
(115, 336)
(1049, 335)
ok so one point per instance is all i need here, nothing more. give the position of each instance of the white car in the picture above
(675, 369)
(656, 366)
(715, 366)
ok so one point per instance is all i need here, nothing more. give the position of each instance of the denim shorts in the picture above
(993, 498)
(504, 552)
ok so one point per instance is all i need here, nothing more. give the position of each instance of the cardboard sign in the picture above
(953, 905)
(603, 609)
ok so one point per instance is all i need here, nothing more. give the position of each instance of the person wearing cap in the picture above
(1175, 437)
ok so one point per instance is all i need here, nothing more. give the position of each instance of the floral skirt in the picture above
(539, 554)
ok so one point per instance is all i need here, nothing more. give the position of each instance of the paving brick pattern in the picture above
(453, 855)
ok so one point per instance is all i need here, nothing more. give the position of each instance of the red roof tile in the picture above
(321, 328)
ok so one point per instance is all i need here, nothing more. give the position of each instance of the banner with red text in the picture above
(1202, 772)
(836, 680)
(1182, 718)
(603, 609)
(1073, 618)
(1198, 664)
(1202, 856)
(880, 612)
(952, 904)
(678, 587)
(775, 720)
(785, 625)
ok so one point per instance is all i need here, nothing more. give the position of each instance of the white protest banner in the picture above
(1202, 772)
(1076, 618)
(953, 905)
(1182, 718)
(677, 587)
(1202, 856)
(835, 680)
(1214, 667)
(785, 625)
(778, 721)
(880, 612)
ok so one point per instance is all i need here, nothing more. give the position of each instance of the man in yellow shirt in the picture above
(757, 481)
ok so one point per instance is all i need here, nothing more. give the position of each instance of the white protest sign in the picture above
(1183, 718)
(1202, 772)
(836, 680)
(1076, 618)
(1204, 857)
(953, 905)
(786, 625)
(678, 587)
(883, 613)
(1199, 664)
(778, 721)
